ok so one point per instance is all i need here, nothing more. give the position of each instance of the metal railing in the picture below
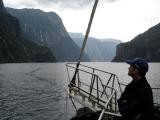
(99, 91)
(97, 88)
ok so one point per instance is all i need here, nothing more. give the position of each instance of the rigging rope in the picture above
(85, 41)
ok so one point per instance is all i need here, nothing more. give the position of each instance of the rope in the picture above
(85, 40)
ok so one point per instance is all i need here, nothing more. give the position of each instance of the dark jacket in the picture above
(136, 102)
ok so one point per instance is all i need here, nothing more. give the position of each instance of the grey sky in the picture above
(66, 3)
(71, 4)
(120, 19)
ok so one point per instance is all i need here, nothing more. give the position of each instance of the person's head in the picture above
(138, 66)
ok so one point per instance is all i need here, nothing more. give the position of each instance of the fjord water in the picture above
(38, 91)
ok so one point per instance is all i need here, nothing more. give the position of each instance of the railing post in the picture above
(93, 77)
(111, 102)
(119, 84)
(97, 89)
(78, 76)
(116, 102)
(91, 86)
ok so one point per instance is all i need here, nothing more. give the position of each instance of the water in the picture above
(38, 91)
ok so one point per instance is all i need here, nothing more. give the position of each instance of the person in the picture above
(136, 102)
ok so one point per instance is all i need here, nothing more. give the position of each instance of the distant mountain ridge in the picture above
(47, 29)
(145, 45)
(14, 46)
(98, 50)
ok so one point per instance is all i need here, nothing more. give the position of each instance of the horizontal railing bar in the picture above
(97, 69)
(93, 68)
(83, 70)
(113, 114)
(122, 84)
(89, 94)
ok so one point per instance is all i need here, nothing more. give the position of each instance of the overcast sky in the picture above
(119, 19)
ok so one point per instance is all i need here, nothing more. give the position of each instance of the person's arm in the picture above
(129, 108)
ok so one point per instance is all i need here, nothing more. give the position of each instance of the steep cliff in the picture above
(14, 47)
(98, 50)
(146, 45)
(47, 29)
(2, 9)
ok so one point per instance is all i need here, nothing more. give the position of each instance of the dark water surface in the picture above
(38, 91)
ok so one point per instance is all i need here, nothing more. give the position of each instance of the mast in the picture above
(85, 41)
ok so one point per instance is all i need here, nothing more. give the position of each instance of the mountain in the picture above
(146, 45)
(98, 50)
(14, 47)
(47, 29)
(2, 8)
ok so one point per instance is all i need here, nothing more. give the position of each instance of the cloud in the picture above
(74, 4)
(61, 4)
(20, 3)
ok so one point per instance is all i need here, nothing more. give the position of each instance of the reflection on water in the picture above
(39, 91)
